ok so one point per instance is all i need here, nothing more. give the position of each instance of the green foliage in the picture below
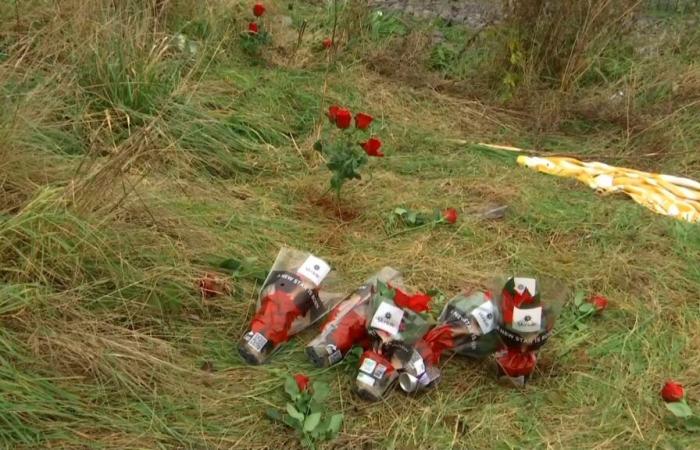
(306, 413)
(345, 161)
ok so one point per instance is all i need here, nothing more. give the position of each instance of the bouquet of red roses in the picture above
(467, 326)
(527, 318)
(395, 322)
(289, 301)
(346, 325)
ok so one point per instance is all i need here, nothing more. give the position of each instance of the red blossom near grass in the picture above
(211, 286)
(672, 392)
(372, 147)
(362, 121)
(416, 302)
(258, 9)
(302, 381)
(343, 118)
(332, 112)
(253, 27)
(599, 302)
(450, 215)
(327, 43)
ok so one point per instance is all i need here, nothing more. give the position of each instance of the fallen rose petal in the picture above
(327, 43)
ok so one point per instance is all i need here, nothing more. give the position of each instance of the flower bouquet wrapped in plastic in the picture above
(395, 323)
(289, 301)
(466, 326)
(346, 325)
(528, 310)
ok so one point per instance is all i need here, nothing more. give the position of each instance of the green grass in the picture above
(128, 169)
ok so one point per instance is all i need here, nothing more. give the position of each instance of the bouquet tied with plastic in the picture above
(346, 325)
(395, 322)
(528, 309)
(466, 326)
(289, 301)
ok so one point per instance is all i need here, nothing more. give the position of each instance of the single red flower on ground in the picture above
(372, 147)
(327, 43)
(599, 302)
(672, 391)
(343, 118)
(302, 381)
(258, 9)
(450, 215)
(332, 112)
(253, 27)
(211, 286)
(363, 120)
(416, 302)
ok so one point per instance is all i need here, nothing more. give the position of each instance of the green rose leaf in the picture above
(291, 388)
(334, 425)
(692, 424)
(586, 308)
(578, 298)
(321, 391)
(294, 414)
(312, 421)
(679, 409)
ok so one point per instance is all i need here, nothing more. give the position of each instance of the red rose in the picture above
(327, 43)
(302, 381)
(372, 147)
(343, 118)
(253, 27)
(672, 391)
(363, 120)
(332, 112)
(416, 302)
(599, 302)
(515, 364)
(258, 9)
(450, 215)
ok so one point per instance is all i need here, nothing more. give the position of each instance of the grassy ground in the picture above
(129, 167)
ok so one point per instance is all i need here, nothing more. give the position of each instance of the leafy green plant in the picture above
(306, 412)
(342, 149)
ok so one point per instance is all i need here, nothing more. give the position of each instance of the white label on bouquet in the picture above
(379, 371)
(527, 320)
(257, 341)
(368, 366)
(315, 269)
(387, 318)
(364, 378)
(419, 366)
(485, 316)
(525, 283)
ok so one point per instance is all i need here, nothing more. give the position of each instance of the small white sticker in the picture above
(419, 366)
(379, 371)
(527, 320)
(315, 269)
(364, 378)
(387, 318)
(485, 316)
(525, 283)
(368, 366)
(257, 341)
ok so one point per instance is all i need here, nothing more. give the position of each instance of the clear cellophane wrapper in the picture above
(466, 326)
(528, 309)
(393, 329)
(346, 325)
(290, 300)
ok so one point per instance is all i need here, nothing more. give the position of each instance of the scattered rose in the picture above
(372, 147)
(253, 27)
(450, 215)
(258, 9)
(672, 391)
(302, 381)
(362, 121)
